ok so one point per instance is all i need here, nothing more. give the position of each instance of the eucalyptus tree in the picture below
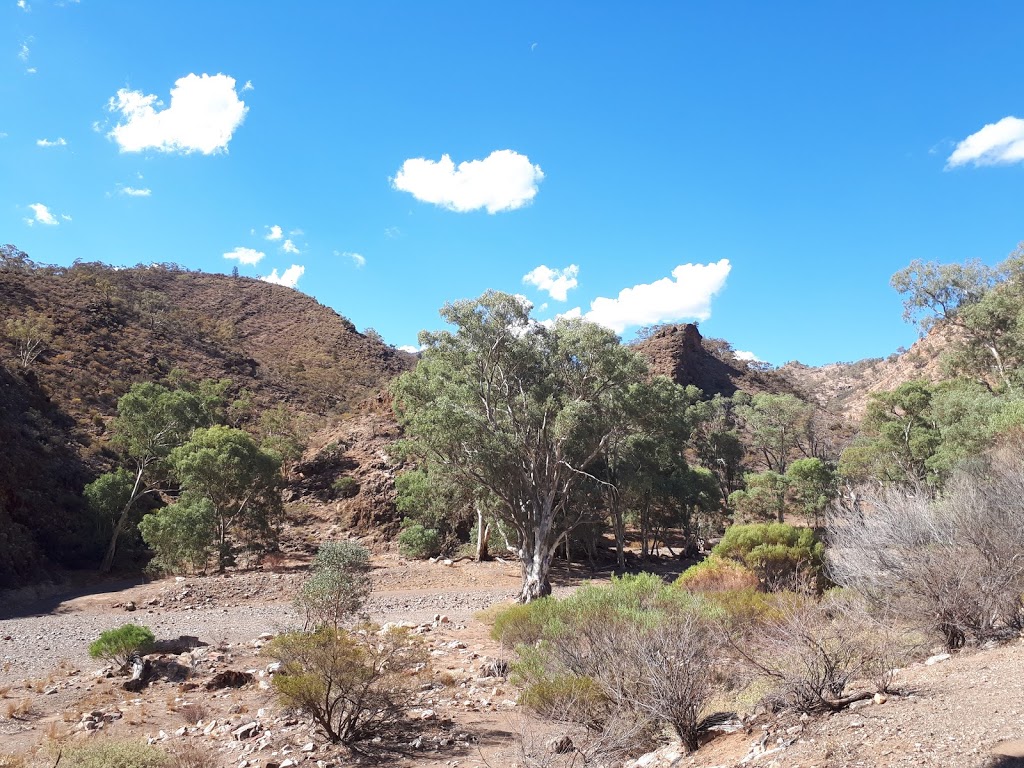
(151, 421)
(520, 412)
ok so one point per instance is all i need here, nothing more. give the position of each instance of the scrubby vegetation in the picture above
(337, 585)
(118, 646)
(353, 683)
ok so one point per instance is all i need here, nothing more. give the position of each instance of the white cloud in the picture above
(357, 258)
(58, 142)
(557, 282)
(24, 6)
(65, 217)
(740, 354)
(684, 296)
(41, 215)
(24, 52)
(995, 144)
(411, 349)
(503, 181)
(248, 86)
(245, 255)
(289, 278)
(31, 70)
(289, 247)
(3, 134)
(202, 117)
(136, 192)
(296, 232)
(275, 233)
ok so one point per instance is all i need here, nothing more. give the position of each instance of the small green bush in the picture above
(345, 486)
(419, 543)
(112, 754)
(117, 645)
(338, 584)
(717, 574)
(554, 697)
(783, 556)
(524, 624)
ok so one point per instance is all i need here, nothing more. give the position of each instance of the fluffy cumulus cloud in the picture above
(289, 278)
(503, 181)
(41, 214)
(274, 233)
(556, 282)
(245, 255)
(686, 295)
(202, 117)
(995, 144)
(411, 349)
(58, 142)
(289, 247)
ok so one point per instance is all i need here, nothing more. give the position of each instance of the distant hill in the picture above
(845, 388)
(113, 327)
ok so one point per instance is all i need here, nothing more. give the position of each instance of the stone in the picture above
(246, 731)
(937, 659)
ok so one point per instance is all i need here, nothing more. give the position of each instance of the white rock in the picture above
(937, 659)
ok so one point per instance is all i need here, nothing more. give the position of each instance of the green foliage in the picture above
(338, 584)
(519, 412)
(226, 467)
(524, 624)
(638, 652)
(419, 543)
(354, 684)
(777, 424)
(346, 486)
(117, 645)
(182, 535)
(782, 556)
(764, 497)
(282, 434)
(813, 485)
(109, 493)
(717, 574)
(112, 754)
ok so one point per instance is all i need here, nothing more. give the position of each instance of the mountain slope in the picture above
(113, 327)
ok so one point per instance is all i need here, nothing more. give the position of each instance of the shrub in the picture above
(717, 574)
(811, 651)
(338, 584)
(345, 486)
(118, 645)
(112, 754)
(951, 564)
(353, 684)
(419, 543)
(637, 652)
(783, 556)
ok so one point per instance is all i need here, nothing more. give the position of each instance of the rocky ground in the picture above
(955, 711)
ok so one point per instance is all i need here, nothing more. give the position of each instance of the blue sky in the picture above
(764, 167)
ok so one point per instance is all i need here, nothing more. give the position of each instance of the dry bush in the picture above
(952, 564)
(193, 712)
(623, 661)
(812, 652)
(191, 755)
(353, 684)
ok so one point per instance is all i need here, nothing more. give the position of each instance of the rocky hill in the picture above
(106, 329)
(686, 357)
(844, 388)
